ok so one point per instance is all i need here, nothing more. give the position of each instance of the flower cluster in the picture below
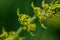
(48, 11)
(28, 23)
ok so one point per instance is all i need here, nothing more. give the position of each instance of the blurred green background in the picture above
(9, 18)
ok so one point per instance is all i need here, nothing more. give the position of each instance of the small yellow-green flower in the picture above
(24, 19)
(32, 27)
(45, 6)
